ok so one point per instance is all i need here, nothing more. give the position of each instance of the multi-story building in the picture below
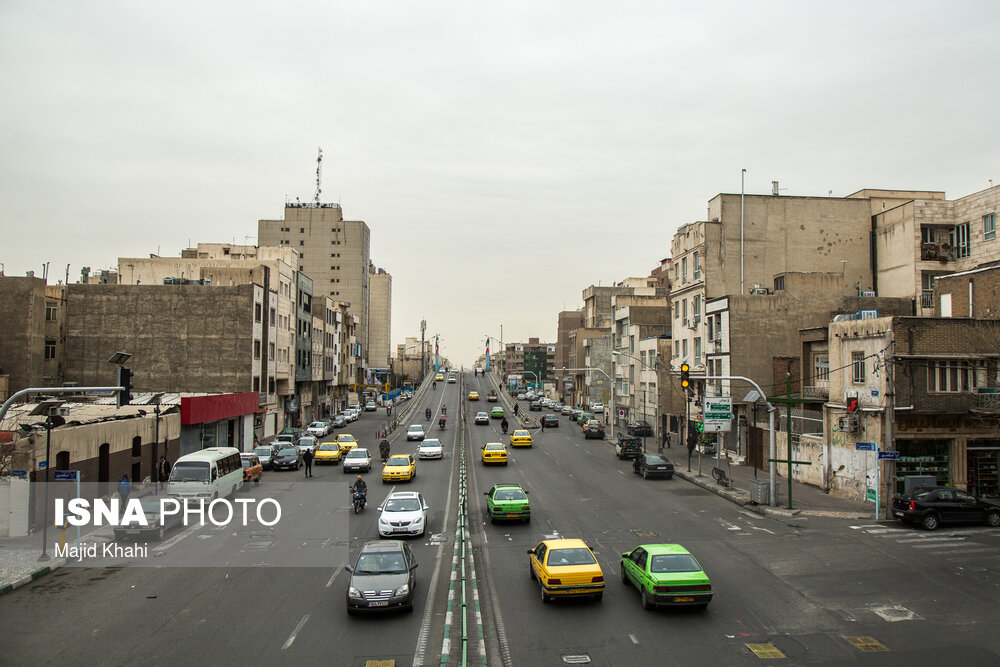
(332, 251)
(532, 362)
(379, 318)
(590, 348)
(27, 344)
(567, 322)
(412, 359)
(637, 317)
(598, 302)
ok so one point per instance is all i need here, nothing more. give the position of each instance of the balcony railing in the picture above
(989, 399)
(927, 298)
(819, 391)
(939, 251)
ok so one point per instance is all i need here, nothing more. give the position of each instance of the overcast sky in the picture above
(505, 155)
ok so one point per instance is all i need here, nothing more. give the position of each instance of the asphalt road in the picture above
(805, 586)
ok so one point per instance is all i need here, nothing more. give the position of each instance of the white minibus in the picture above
(210, 473)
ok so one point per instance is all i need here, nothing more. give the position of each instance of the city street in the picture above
(805, 586)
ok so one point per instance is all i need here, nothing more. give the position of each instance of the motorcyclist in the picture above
(359, 486)
(503, 424)
(434, 385)
(383, 450)
(444, 409)
(442, 421)
(427, 413)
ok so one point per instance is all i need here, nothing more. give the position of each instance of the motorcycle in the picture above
(427, 413)
(441, 423)
(359, 498)
(434, 385)
(503, 426)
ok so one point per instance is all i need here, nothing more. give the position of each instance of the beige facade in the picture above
(412, 358)
(567, 322)
(589, 347)
(380, 318)
(332, 251)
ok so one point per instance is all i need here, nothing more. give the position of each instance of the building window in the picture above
(677, 272)
(697, 267)
(256, 350)
(684, 308)
(301, 242)
(257, 312)
(50, 311)
(684, 349)
(821, 367)
(270, 385)
(272, 317)
(858, 367)
(989, 227)
(270, 351)
(302, 230)
(684, 270)
(50, 349)
(256, 384)
(137, 446)
(697, 351)
(927, 234)
(696, 308)
(962, 247)
(951, 376)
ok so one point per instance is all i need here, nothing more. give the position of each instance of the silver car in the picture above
(357, 460)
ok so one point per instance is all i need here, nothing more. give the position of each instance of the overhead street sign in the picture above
(718, 413)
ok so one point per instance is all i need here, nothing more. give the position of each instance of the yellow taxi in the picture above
(565, 568)
(399, 468)
(439, 377)
(520, 438)
(494, 452)
(346, 441)
(473, 395)
(327, 452)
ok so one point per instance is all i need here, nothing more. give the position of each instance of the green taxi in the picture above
(508, 502)
(497, 413)
(666, 575)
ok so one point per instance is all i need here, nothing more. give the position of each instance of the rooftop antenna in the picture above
(319, 173)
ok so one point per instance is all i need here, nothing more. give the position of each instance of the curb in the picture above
(23, 581)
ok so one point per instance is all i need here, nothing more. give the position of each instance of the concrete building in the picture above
(598, 306)
(589, 347)
(24, 335)
(637, 317)
(380, 318)
(566, 322)
(413, 359)
(332, 251)
(972, 293)
(920, 236)
(531, 362)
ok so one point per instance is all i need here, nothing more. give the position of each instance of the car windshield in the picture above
(346, 438)
(246, 462)
(328, 447)
(398, 461)
(492, 447)
(480, 414)
(574, 556)
(521, 433)
(674, 563)
(317, 425)
(306, 442)
(262, 451)
(381, 563)
(415, 427)
(652, 458)
(189, 471)
(402, 505)
(288, 452)
(509, 494)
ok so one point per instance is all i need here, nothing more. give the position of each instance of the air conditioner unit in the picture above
(848, 424)
(690, 322)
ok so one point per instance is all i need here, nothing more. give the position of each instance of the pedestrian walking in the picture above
(124, 489)
(666, 438)
(307, 458)
(515, 409)
(543, 423)
(163, 470)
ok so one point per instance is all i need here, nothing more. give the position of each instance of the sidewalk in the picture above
(807, 500)
(19, 564)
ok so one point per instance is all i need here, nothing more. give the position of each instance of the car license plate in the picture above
(383, 603)
(897, 513)
(131, 532)
(400, 530)
(511, 516)
(683, 599)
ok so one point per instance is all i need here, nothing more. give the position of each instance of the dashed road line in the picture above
(295, 632)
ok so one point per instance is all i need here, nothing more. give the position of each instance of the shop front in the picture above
(930, 458)
(983, 462)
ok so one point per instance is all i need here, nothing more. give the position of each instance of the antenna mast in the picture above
(319, 173)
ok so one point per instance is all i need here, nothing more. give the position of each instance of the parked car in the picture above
(415, 432)
(535, 406)
(551, 421)
(318, 429)
(284, 439)
(357, 460)
(403, 513)
(382, 578)
(628, 447)
(651, 465)
(339, 421)
(593, 429)
(296, 433)
(157, 524)
(597, 408)
(289, 457)
(252, 468)
(931, 506)
(306, 443)
(264, 453)
(666, 575)
(639, 428)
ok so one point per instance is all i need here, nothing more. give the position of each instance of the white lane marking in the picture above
(930, 539)
(873, 525)
(634, 640)
(295, 632)
(332, 577)
(620, 472)
(764, 529)
(939, 545)
(163, 546)
(729, 526)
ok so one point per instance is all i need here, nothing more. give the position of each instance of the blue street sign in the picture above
(43, 464)
(892, 456)
(66, 475)
(20, 474)
(865, 446)
(875, 392)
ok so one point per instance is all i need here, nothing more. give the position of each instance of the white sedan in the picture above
(415, 432)
(430, 449)
(318, 429)
(402, 513)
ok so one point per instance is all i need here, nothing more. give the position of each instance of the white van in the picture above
(210, 473)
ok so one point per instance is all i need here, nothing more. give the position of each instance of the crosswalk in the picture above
(955, 541)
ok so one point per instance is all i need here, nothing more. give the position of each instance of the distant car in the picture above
(157, 524)
(328, 452)
(352, 414)
(930, 507)
(357, 460)
(318, 429)
(306, 443)
(430, 448)
(492, 396)
(521, 397)
(520, 438)
(584, 418)
(494, 453)
(575, 414)
(399, 468)
(473, 395)
(339, 421)
(482, 418)
(507, 502)
(264, 453)
(451, 379)
(639, 428)
(628, 447)
(566, 568)
(296, 433)
(593, 429)
(253, 470)
(415, 432)
(535, 406)
(439, 377)
(288, 457)
(651, 465)
(371, 406)
(597, 408)
(497, 413)
(382, 578)
(566, 410)
(550, 421)
(403, 513)
(666, 575)
(284, 439)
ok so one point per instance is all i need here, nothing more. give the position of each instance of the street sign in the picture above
(621, 413)
(865, 446)
(718, 413)
(19, 474)
(892, 456)
(716, 427)
(66, 475)
(42, 465)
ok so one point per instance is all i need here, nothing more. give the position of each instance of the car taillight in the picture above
(661, 589)
(913, 506)
(525, 508)
(555, 582)
(597, 580)
(703, 587)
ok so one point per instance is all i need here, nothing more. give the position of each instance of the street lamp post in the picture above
(612, 421)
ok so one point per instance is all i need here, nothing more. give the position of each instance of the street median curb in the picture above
(40, 572)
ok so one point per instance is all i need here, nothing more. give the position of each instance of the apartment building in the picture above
(566, 322)
(332, 251)
(531, 362)
(380, 318)
(589, 348)
(412, 358)
(637, 317)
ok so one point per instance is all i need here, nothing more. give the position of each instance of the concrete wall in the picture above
(380, 321)
(22, 331)
(981, 287)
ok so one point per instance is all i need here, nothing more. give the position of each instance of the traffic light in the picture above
(852, 404)
(700, 426)
(685, 376)
(125, 382)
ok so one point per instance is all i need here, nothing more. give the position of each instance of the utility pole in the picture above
(890, 422)
(423, 350)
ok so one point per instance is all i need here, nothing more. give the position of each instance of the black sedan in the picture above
(594, 429)
(651, 465)
(640, 428)
(288, 457)
(535, 406)
(931, 506)
(550, 421)
(382, 579)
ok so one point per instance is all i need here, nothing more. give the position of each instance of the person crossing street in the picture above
(307, 458)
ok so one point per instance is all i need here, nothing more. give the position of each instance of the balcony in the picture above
(988, 399)
(817, 392)
(939, 251)
(927, 298)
